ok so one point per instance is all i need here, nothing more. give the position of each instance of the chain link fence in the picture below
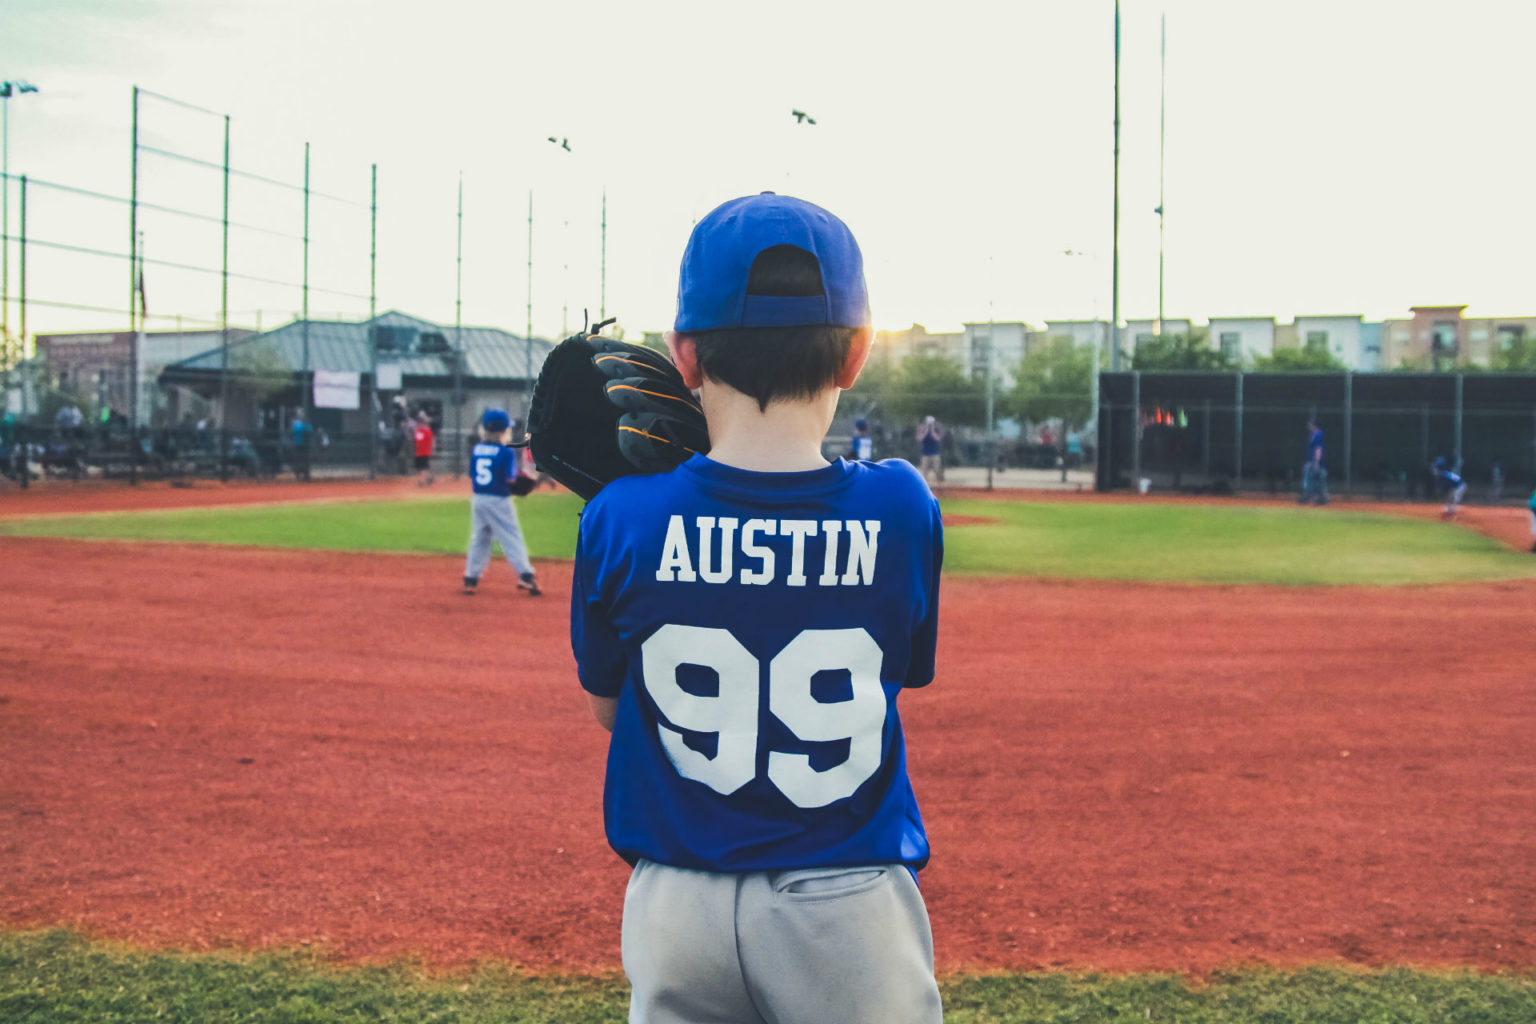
(1229, 432)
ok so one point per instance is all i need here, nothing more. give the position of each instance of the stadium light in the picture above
(7, 90)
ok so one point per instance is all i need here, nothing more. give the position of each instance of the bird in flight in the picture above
(801, 117)
(564, 144)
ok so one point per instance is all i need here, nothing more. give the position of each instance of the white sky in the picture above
(1323, 156)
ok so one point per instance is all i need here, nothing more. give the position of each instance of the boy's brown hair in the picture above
(771, 363)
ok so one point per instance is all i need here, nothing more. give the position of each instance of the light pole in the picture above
(602, 311)
(7, 90)
(1093, 381)
(1162, 134)
(565, 258)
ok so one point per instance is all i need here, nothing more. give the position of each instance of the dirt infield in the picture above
(55, 497)
(204, 747)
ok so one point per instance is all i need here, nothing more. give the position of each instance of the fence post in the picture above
(306, 451)
(1423, 437)
(1459, 379)
(458, 336)
(1238, 431)
(375, 407)
(1206, 444)
(1349, 424)
(1136, 429)
(135, 275)
(224, 326)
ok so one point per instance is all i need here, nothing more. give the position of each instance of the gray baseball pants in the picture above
(818, 946)
(491, 519)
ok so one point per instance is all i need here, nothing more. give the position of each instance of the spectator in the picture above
(300, 433)
(862, 447)
(1314, 477)
(930, 437)
(424, 438)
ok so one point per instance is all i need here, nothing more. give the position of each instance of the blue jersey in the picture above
(1315, 447)
(1449, 481)
(756, 629)
(491, 469)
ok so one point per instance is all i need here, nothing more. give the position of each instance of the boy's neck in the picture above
(784, 438)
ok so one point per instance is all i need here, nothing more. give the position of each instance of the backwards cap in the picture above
(712, 285)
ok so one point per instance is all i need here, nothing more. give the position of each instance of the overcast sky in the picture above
(1323, 156)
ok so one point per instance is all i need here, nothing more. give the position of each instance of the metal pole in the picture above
(1349, 433)
(991, 428)
(458, 343)
(1114, 352)
(224, 326)
(602, 309)
(1162, 121)
(1237, 482)
(528, 327)
(375, 405)
(1459, 381)
(1104, 442)
(5, 224)
(135, 270)
(1206, 444)
(23, 428)
(307, 377)
(1423, 436)
(136, 327)
(1136, 429)
(23, 252)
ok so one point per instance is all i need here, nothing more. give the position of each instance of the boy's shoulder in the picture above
(702, 475)
(893, 486)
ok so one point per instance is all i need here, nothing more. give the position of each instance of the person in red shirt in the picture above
(424, 439)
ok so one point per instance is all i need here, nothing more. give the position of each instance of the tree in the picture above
(1308, 359)
(1518, 357)
(256, 372)
(871, 393)
(934, 386)
(1054, 382)
(1179, 352)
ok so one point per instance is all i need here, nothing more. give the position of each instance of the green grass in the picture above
(60, 978)
(428, 526)
(1163, 543)
(1216, 544)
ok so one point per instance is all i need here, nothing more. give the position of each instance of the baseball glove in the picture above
(603, 409)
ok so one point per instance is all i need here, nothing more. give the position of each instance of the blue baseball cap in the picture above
(495, 420)
(712, 285)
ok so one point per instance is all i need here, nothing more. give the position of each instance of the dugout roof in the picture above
(424, 350)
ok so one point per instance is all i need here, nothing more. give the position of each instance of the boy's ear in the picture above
(858, 352)
(686, 358)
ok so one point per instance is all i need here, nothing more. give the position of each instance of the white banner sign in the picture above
(388, 377)
(337, 389)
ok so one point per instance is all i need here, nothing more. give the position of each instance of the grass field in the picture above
(60, 978)
(1163, 543)
(55, 976)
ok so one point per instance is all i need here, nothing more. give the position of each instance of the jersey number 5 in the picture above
(732, 715)
(483, 472)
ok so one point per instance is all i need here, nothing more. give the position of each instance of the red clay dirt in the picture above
(206, 747)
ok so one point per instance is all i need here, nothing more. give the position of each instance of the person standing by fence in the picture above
(1314, 476)
(930, 437)
(424, 439)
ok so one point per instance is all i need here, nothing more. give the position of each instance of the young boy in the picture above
(1452, 485)
(492, 469)
(1531, 507)
(743, 625)
(422, 433)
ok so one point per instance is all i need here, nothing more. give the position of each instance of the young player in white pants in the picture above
(492, 471)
